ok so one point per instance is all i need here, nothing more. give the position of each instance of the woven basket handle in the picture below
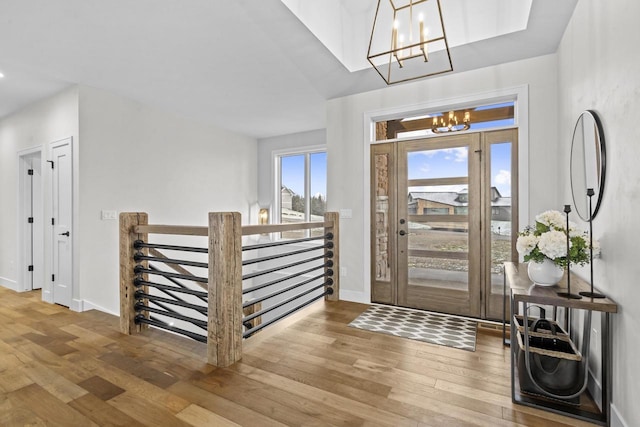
(540, 322)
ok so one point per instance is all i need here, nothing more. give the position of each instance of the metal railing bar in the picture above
(281, 303)
(141, 307)
(166, 292)
(140, 269)
(271, 270)
(162, 325)
(175, 282)
(199, 323)
(282, 255)
(280, 243)
(161, 305)
(141, 257)
(202, 295)
(282, 279)
(252, 331)
(281, 291)
(141, 244)
(153, 298)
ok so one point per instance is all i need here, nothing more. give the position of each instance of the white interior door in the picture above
(62, 213)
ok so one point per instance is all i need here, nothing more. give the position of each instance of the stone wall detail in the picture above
(382, 252)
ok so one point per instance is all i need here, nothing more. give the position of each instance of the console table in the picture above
(522, 293)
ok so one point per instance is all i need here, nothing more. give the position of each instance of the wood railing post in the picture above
(335, 229)
(128, 220)
(224, 329)
(256, 321)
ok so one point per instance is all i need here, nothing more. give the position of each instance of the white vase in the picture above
(544, 273)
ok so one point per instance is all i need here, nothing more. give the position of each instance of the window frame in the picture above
(277, 155)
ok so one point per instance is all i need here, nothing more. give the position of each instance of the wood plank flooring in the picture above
(61, 368)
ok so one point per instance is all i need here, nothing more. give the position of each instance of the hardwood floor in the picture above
(62, 368)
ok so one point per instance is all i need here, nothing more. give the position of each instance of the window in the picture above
(495, 115)
(302, 184)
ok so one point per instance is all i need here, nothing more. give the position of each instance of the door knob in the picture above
(402, 232)
(66, 233)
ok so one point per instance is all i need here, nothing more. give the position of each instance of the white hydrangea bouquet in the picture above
(548, 239)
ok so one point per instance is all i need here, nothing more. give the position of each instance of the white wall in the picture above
(346, 152)
(599, 69)
(135, 158)
(47, 121)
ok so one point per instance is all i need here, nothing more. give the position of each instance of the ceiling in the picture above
(250, 66)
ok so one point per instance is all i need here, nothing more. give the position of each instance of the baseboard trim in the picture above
(353, 296)
(47, 296)
(616, 418)
(9, 284)
(88, 305)
(76, 305)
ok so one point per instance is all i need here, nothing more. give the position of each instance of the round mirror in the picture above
(587, 165)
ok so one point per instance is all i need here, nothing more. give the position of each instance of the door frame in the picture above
(519, 94)
(25, 239)
(391, 249)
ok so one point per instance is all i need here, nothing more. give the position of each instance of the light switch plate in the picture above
(108, 215)
(346, 213)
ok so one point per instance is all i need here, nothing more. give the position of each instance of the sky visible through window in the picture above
(293, 173)
(453, 162)
(422, 164)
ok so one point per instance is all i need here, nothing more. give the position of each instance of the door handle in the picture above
(66, 233)
(402, 232)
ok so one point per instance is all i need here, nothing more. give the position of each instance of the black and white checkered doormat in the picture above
(419, 325)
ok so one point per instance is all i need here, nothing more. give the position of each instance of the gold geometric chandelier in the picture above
(451, 124)
(408, 40)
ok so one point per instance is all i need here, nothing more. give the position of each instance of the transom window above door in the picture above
(491, 116)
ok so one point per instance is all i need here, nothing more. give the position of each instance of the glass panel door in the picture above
(438, 224)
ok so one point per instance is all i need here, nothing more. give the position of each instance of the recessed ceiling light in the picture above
(1, 75)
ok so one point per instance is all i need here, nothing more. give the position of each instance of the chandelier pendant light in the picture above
(451, 124)
(408, 40)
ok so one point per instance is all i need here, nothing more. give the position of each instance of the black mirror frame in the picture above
(603, 163)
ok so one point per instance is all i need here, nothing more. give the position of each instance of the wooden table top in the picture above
(523, 289)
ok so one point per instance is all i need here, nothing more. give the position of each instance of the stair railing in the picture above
(208, 304)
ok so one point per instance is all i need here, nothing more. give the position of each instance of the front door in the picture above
(62, 212)
(441, 222)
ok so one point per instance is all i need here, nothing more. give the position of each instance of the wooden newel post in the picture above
(128, 220)
(334, 218)
(224, 340)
